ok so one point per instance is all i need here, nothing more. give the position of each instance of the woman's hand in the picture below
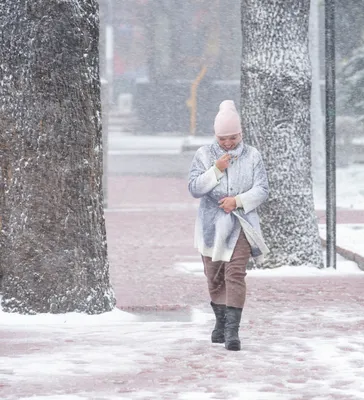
(223, 162)
(228, 204)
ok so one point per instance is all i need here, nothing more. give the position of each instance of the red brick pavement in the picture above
(283, 317)
(129, 190)
(145, 245)
(343, 216)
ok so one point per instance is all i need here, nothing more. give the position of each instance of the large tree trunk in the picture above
(54, 256)
(5, 176)
(276, 87)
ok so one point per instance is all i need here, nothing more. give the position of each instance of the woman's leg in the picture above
(215, 274)
(235, 272)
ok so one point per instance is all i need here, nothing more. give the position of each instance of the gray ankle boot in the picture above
(217, 335)
(233, 318)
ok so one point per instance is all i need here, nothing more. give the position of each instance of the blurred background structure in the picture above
(167, 64)
(172, 62)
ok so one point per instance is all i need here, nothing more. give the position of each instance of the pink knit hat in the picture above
(227, 120)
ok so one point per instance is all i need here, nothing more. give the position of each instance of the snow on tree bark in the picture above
(275, 99)
(4, 178)
(54, 254)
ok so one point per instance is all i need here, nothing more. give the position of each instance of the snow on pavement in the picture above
(344, 267)
(348, 236)
(289, 353)
(349, 188)
(302, 335)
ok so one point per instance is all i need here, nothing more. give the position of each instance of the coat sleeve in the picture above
(201, 178)
(258, 194)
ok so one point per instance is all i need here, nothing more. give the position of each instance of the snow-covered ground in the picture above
(290, 351)
(348, 236)
(300, 344)
(344, 267)
(287, 355)
(349, 188)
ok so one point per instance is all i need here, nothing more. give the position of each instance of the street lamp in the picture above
(330, 133)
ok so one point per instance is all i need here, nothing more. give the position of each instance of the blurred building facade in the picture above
(174, 61)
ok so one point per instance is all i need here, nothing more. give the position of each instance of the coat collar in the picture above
(236, 153)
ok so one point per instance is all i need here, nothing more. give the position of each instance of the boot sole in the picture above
(222, 340)
(233, 346)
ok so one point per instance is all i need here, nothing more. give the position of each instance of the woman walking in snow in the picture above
(230, 178)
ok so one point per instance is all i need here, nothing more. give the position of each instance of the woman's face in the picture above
(229, 142)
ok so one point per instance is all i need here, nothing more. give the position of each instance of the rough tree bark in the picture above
(4, 182)
(275, 99)
(54, 252)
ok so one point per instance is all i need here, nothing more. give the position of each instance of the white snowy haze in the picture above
(165, 66)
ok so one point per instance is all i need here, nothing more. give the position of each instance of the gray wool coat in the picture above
(216, 232)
